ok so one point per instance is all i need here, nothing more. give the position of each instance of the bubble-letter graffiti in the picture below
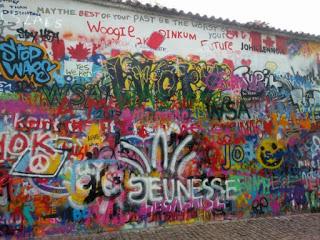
(25, 61)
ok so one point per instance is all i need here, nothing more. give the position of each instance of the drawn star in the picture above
(268, 42)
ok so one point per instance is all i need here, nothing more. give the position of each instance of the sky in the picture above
(295, 15)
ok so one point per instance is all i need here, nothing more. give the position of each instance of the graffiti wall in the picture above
(115, 118)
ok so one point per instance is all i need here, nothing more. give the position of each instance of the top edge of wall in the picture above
(172, 12)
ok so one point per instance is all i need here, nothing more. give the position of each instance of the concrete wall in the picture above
(115, 118)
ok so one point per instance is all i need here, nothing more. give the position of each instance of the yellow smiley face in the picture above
(270, 153)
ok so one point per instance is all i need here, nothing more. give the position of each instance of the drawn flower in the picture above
(174, 164)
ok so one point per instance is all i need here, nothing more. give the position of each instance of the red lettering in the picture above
(116, 31)
(192, 36)
(130, 31)
(110, 31)
(174, 34)
(121, 33)
(88, 13)
(33, 122)
(18, 143)
(162, 32)
(38, 143)
(93, 27)
(18, 122)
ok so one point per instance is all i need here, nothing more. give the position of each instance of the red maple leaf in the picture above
(268, 42)
(79, 52)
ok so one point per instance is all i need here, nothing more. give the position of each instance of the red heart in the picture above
(245, 62)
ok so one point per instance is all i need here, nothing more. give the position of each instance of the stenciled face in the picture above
(270, 153)
(111, 181)
(111, 177)
(83, 183)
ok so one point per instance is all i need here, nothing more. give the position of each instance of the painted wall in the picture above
(114, 119)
